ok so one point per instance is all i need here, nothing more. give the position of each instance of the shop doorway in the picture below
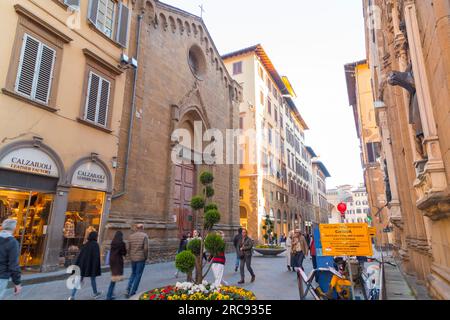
(183, 192)
(32, 211)
(243, 217)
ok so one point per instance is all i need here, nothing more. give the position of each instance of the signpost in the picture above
(346, 240)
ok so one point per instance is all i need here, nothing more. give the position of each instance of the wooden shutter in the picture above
(27, 66)
(102, 116)
(123, 25)
(45, 74)
(35, 73)
(93, 11)
(97, 100)
(75, 4)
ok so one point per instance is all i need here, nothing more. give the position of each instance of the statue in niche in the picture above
(406, 81)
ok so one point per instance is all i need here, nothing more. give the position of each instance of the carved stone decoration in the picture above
(406, 81)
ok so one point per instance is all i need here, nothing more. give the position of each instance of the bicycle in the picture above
(339, 284)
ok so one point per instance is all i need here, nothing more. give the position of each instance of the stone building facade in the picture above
(181, 83)
(409, 56)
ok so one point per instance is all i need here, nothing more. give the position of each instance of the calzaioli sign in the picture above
(91, 176)
(30, 160)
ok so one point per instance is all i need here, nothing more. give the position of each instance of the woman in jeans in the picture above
(89, 263)
(299, 249)
(218, 266)
(118, 251)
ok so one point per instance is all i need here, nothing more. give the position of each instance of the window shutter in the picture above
(92, 97)
(93, 10)
(97, 100)
(45, 74)
(75, 4)
(123, 25)
(27, 66)
(102, 117)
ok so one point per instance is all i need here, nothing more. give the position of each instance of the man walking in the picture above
(9, 258)
(246, 248)
(138, 253)
(236, 241)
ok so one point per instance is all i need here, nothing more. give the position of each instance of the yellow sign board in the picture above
(345, 239)
(372, 231)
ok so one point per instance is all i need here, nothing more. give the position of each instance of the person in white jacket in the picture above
(288, 250)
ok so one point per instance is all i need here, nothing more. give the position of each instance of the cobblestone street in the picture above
(273, 281)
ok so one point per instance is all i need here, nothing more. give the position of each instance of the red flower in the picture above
(161, 296)
(153, 297)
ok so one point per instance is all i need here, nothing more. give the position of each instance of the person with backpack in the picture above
(9, 258)
(89, 263)
(138, 252)
(236, 241)
(116, 255)
(246, 252)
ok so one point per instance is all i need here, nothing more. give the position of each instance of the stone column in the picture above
(54, 241)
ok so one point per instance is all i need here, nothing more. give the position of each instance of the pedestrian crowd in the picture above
(136, 249)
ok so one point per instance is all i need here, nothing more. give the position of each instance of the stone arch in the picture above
(180, 25)
(187, 27)
(194, 29)
(93, 158)
(38, 144)
(148, 10)
(163, 21)
(173, 25)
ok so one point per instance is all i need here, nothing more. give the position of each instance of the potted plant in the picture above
(269, 249)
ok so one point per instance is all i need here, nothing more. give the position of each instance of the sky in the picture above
(309, 42)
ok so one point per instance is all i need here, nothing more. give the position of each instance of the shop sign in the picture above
(345, 239)
(30, 160)
(91, 176)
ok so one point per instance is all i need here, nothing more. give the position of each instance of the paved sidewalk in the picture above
(273, 281)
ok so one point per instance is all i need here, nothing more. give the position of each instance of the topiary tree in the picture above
(208, 213)
(185, 262)
(268, 228)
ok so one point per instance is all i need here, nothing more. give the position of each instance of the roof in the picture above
(268, 65)
(311, 152)
(322, 168)
(297, 114)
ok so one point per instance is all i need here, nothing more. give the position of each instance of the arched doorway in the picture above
(185, 169)
(243, 217)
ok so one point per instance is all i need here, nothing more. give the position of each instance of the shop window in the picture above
(83, 216)
(32, 211)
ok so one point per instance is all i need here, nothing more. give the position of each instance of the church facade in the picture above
(179, 87)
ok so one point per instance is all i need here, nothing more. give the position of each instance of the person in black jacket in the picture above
(9, 258)
(118, 251)
(182, 247)
(89, 263)
(236, 242)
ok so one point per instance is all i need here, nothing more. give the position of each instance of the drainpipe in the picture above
(132, 114)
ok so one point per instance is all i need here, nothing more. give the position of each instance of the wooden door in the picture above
(183, 193)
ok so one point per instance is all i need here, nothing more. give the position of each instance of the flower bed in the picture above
(205, 291)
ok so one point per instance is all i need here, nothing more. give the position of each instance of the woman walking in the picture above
(89, 263)
(118, 251)
(288, 250)
(218, 266)
(299, 249)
